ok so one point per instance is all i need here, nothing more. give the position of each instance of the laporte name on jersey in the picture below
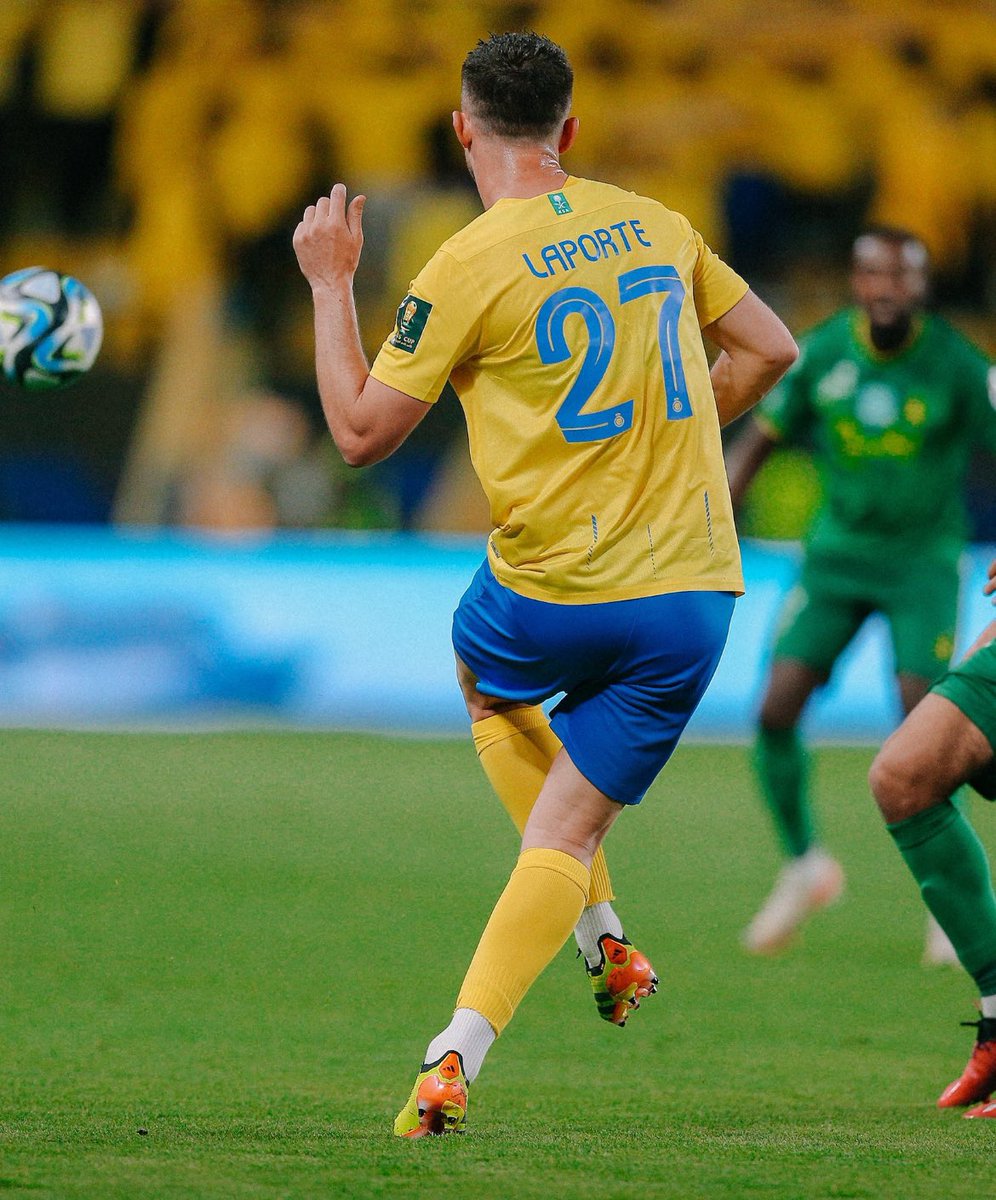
(591, 246)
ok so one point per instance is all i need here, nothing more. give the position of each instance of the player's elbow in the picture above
(776, 355)
(363, 450)
(782, 351)
(791, 351)
(357, 451)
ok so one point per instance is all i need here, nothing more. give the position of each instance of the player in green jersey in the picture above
(949, 739)
(893, 402)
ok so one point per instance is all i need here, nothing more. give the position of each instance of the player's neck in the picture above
(509, 172)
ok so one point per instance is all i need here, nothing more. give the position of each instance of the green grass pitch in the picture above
(221, 957)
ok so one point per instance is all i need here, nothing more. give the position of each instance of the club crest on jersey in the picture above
(559, 203)
(409, 326)
(877, 406)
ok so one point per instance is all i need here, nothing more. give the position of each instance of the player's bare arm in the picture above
(756, 351)
(368, 420)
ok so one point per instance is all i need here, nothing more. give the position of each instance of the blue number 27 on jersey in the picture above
(576, 424)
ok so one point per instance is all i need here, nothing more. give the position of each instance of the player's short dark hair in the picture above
(895, 236)
(518, 84)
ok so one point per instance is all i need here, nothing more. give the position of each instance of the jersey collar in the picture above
(861, 330)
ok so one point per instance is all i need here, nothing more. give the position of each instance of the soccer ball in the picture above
(50, 329)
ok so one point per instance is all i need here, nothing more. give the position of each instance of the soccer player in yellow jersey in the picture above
(568, 318)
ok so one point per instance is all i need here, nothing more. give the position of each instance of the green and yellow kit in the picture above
(893, 436)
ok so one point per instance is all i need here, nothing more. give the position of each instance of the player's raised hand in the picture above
(329, 238)
(990, 588)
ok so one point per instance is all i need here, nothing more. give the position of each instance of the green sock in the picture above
(949, 863)
(782, 767)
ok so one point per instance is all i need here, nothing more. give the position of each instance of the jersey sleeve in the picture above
(785, 412)
(437, 327)
(716, 286)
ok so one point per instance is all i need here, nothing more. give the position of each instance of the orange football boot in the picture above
(438, 1102)
(621, 980)
(982, 1110)
(978, 1080)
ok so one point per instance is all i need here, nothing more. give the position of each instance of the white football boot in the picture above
(804, 886)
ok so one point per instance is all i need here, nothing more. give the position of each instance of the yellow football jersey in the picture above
(569, 326)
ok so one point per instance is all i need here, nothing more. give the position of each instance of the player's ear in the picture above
(568, 134)
(461, 127)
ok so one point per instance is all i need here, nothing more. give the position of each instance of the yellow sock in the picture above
(533, 918)
(517, 749)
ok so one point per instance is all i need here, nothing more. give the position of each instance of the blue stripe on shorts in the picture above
(632, 671)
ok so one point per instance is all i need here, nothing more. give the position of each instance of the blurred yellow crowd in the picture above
(223, 118)
(241, 105)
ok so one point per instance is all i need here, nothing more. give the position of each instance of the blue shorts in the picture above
(633, 671)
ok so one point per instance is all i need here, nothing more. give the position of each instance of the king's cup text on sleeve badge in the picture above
(413, 313)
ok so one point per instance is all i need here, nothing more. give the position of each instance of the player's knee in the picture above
(780, 709)
(777, 717)
(885, 783)
(581, 845)
(900, 789)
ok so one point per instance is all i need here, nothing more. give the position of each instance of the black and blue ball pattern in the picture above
(51, 328)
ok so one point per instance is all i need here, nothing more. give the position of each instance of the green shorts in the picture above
(971, 685)
(837, 593)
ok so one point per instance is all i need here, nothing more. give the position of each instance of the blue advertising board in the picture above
(123, 627)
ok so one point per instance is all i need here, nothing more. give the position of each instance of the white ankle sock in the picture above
(988, 1006)
(595, 920)
(470, 1035)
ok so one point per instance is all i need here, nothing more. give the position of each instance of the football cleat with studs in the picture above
(622, 978)
(982, 1110)
(978, 1080)
(438, 1103)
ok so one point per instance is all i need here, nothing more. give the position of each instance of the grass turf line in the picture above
(241, 944)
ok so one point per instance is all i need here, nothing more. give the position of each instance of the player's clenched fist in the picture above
(329, 238)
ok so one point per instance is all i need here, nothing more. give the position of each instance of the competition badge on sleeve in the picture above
(412, 316)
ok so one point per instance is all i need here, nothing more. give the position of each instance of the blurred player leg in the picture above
(811, 879)
(782, 766)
